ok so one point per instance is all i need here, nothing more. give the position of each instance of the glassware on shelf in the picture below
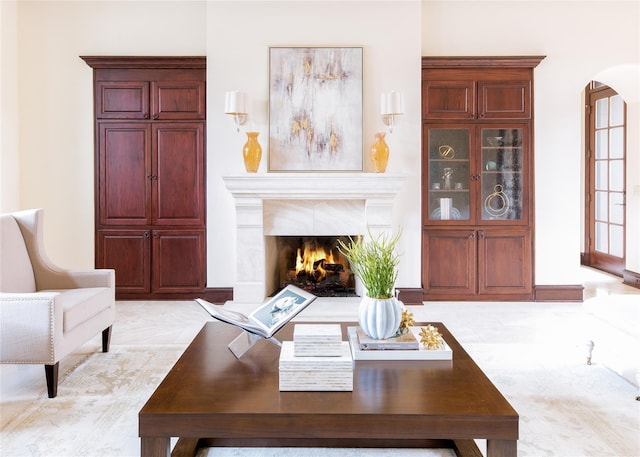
(448, 172)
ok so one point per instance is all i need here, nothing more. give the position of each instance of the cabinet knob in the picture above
(481, 234)
(155, 234)
(156, 116)
(472, 235)
(146, 115)
(481, 116)
(146, 233)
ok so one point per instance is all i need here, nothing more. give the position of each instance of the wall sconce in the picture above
(391, 105)
(235, 104)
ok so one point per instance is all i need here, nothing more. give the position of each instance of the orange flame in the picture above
(311, 256)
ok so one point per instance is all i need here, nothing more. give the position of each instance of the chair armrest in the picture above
(76, 279)
(30, 324)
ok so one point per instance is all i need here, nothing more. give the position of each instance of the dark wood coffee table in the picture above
(210, 398)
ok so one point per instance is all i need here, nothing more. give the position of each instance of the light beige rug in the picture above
(532, 352)
(96, 410)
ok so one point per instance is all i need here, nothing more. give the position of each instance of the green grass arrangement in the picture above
(374, 261)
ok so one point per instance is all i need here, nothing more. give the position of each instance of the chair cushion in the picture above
(80, 305)
(16, 273)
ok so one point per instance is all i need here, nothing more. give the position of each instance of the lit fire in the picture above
(313, 259)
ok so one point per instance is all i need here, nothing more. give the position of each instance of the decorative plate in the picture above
(455, 214)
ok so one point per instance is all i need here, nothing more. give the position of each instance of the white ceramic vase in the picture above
(379, 317)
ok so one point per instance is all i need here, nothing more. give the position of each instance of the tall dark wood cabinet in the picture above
(477, 178)
(150, 174)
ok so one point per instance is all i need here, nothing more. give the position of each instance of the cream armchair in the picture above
(47, 312)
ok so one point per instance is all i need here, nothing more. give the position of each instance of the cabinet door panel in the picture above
(178, 261)
(448, 100)
(179, 166)
(124, 173)
(504, 258)
(122, 100)
(447, 162)
(449, 262)
(178, 100)
(126, 251)
(504, 100)
(503, 164)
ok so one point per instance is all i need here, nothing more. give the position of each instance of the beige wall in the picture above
(55, 107)
(49, 119)
(391, 61)
(9, 159)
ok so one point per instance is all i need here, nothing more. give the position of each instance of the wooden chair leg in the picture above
(106, 339)
(51, 373)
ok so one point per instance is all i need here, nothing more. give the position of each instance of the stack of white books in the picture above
(325, 364)
(317, 340)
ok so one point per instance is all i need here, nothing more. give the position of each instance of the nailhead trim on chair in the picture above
(51, 337)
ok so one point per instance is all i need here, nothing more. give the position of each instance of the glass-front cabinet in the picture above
(449, 172)
(477, 177)
(501, 173)
(476, 174)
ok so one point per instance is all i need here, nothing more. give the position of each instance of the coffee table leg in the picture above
(502, 448)
(155, 446)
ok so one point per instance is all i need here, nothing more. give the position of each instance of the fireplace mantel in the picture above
(276, 204)
(315, 186)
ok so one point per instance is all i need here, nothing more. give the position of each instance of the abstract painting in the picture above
(315, 109)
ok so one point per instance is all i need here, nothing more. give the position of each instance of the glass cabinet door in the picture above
(449, 174)
(501, 174)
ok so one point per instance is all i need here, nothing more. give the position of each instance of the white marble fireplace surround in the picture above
(301, 204)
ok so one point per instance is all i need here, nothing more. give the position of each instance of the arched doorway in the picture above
(605, 215)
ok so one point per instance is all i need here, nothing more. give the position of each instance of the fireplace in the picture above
(315, 264)
(273, 205)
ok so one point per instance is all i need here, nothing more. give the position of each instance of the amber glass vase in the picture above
(252, 152)
(380, 153)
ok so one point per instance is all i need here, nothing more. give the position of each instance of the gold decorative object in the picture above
(431, 338)
(252, 152)
(497, 202)
(406, 321)
(380, 153)
(446, 151)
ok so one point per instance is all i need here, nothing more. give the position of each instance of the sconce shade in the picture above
(235, 102)
(392, 103)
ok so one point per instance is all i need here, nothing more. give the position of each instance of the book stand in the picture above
(245, 341)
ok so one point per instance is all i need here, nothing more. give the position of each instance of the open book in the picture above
(267, 319)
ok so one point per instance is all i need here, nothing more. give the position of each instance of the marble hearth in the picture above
(301, 204)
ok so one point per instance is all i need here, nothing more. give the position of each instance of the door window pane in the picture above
(602, 237)
(617, 208)
(616, 145)
(602, 144)
(617, 241)
(602, 175)
(617, 175)
(601, 206)
(617, 110)
(602, 113)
